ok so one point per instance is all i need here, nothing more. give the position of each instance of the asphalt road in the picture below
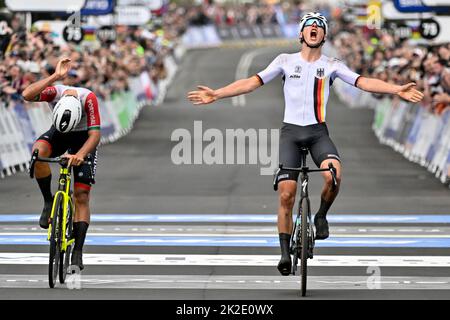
(390, 213)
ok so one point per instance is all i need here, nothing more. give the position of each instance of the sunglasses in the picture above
(311, 21)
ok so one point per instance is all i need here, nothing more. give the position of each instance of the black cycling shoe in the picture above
(321, 224)
(45, 215)
(77, 259)
(285, 265)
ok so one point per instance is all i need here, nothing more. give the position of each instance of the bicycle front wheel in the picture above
(55, 243)
(305, 245)
(65, 256)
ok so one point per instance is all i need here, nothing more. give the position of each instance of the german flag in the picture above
(319, 101)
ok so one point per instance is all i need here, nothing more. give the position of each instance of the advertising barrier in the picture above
(421, 136)
(411, 129)
(211, 36)
(22, 122)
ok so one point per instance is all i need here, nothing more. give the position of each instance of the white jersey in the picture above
(306, 85)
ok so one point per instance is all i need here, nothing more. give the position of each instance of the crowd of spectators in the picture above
(255, 13)
(102, 67)
(382, 54)
(105, 68)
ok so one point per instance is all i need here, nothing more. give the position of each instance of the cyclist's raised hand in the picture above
(63, 67)
(410, 93)
(74, 159)
(204, 95)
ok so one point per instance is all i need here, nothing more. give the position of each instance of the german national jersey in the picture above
(306, 85)
(90, 119)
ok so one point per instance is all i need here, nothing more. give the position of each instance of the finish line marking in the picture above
(236, 241)
(13, 258)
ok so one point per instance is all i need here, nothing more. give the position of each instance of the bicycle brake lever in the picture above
(333, 174)
(33, 159)
(275, 177)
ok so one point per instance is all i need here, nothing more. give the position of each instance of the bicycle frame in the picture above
(62, 212)
(63, 190)
(304, 196)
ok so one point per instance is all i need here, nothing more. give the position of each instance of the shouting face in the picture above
(313, 32)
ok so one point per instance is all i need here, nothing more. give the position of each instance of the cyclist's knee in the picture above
(81, 196)
(329, 182)
(287, 199)
(44, 148)
(42, 169)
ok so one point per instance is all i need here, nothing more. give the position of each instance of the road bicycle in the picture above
(302, 238)
(61, 219)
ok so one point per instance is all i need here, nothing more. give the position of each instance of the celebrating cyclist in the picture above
(307, 78)
(75, 129)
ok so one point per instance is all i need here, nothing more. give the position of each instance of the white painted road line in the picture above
(233, 235)
(205, 282)
(242, 71)
(244, 230)
(12, 258)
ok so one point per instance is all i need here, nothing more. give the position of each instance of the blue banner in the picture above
(97, 7)
(416, 6)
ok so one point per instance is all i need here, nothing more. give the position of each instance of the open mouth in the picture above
(313, 34)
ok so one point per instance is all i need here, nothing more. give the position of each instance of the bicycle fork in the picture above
(64, 192)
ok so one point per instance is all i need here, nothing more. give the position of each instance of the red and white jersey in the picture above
(90, 119)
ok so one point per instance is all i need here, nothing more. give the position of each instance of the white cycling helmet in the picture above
(311, 15)
(67, 114)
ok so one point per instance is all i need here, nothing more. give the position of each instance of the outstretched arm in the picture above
(406, 92)
(33, 90)
(207, 95)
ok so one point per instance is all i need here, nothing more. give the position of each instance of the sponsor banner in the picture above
(25, 125)
(291, 31)
(197, 37)
(45, 5)
(97, 7)
(418, 6)
(124, 15)
(108, 123)
(209, 36)
(132, 16)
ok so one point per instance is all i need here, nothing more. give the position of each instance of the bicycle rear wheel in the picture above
(65, 256)
(304, 244)
(55, 243)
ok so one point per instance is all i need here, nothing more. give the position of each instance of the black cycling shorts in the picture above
(315, 137)
(59, 143)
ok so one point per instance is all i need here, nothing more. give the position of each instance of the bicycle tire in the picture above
(305, 245)
(55, 244)
(65, 257)
(294, 248)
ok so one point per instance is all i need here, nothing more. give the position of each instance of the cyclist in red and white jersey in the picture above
(75, 129)
(307, 77)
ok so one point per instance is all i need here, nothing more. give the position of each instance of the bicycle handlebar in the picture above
(331, 168)
(61, 160)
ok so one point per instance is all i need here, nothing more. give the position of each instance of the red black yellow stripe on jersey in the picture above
(319, 98)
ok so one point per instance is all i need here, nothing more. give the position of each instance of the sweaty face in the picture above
(313, 34)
